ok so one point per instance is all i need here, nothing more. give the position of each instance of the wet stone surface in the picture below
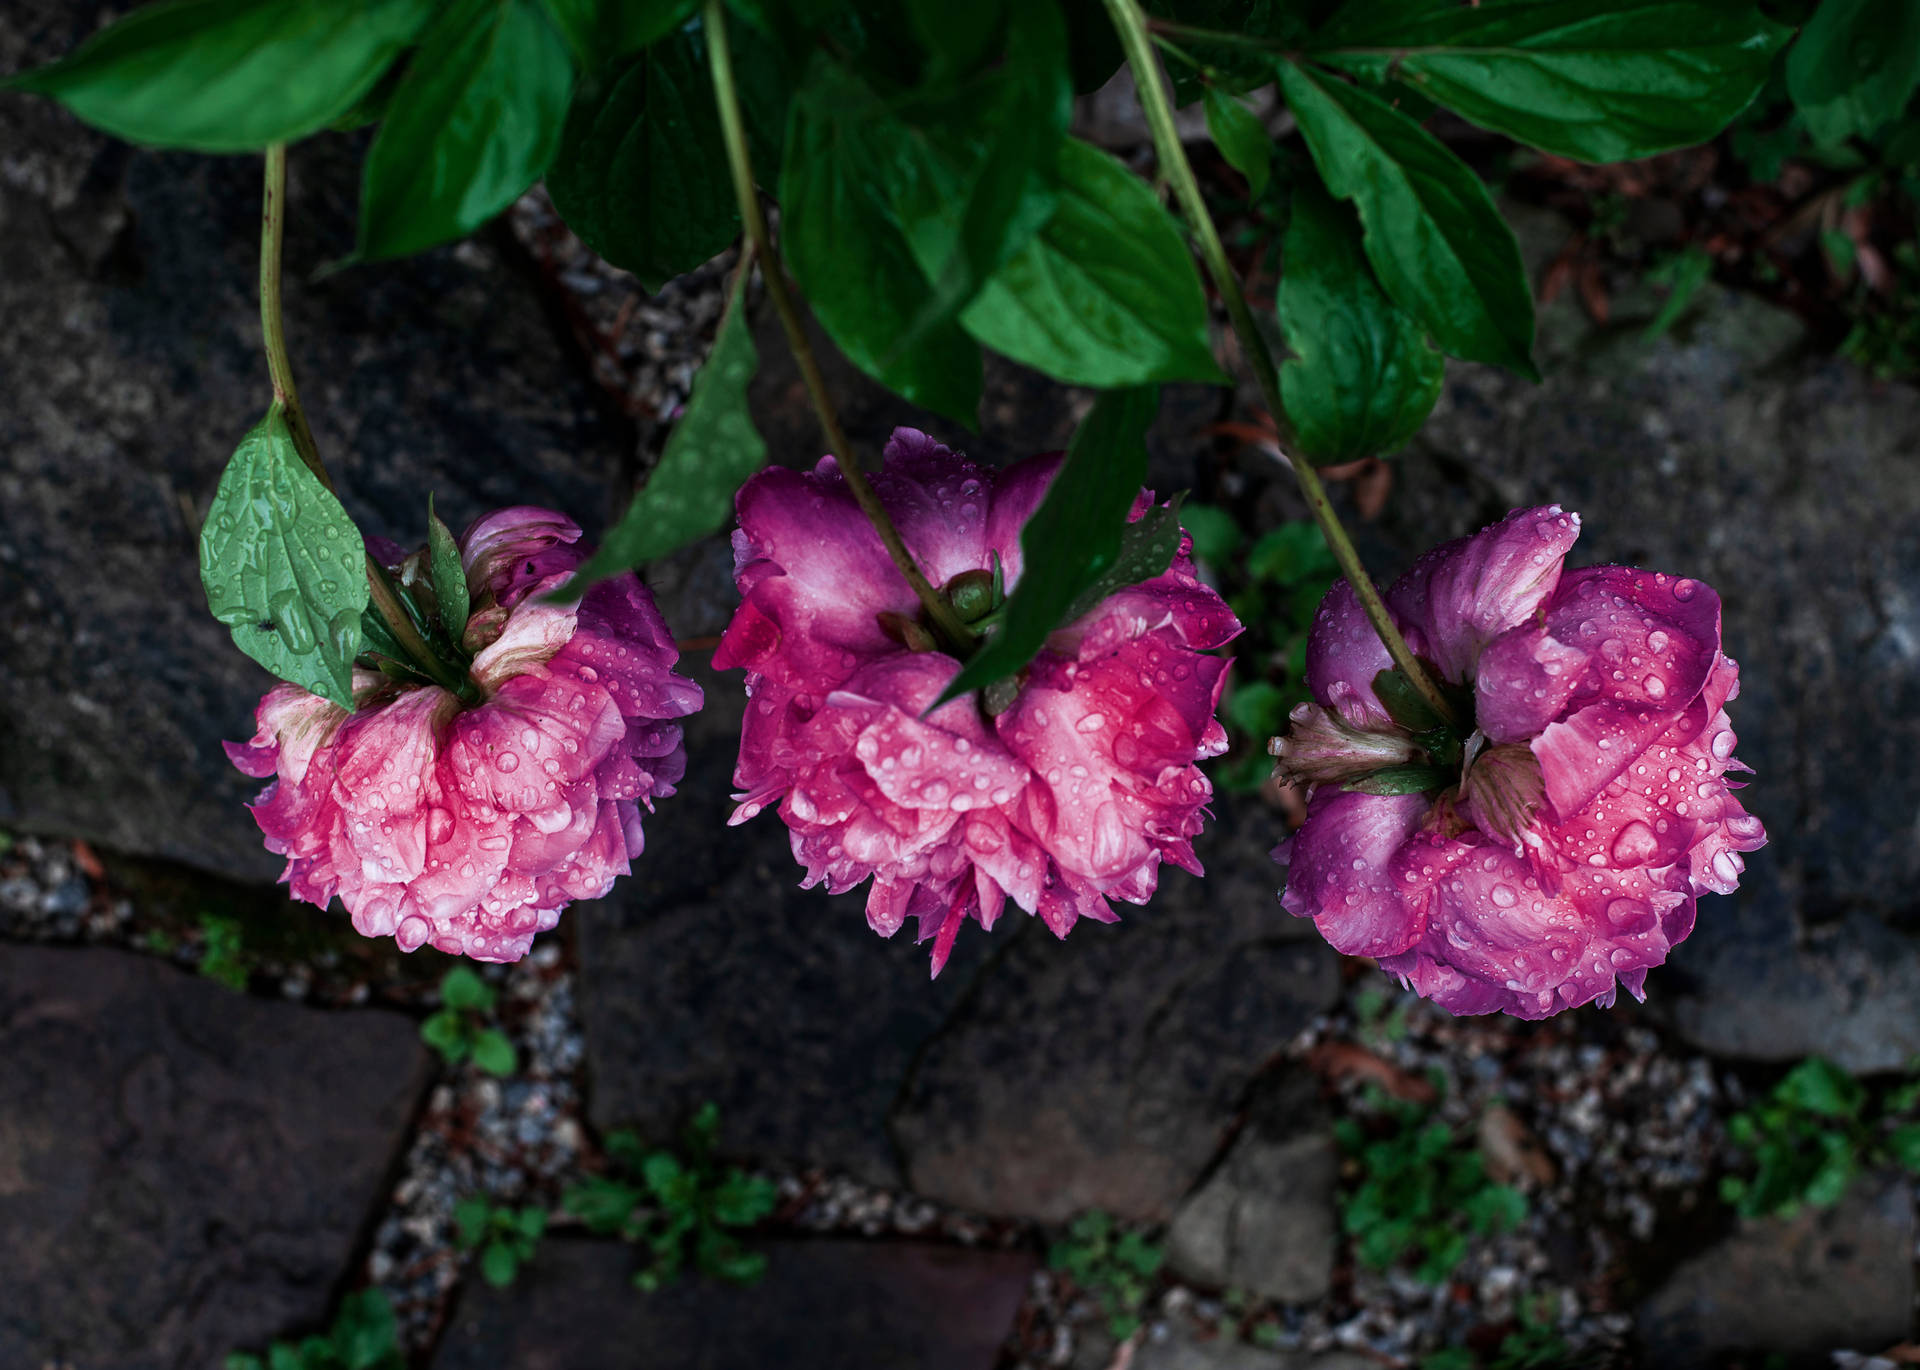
(183, 1170)
(1797, 1287)
(823, 1305)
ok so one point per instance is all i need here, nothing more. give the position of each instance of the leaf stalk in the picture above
(1132, 24)
(733, 132)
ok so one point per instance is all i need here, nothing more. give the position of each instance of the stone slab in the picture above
(823, 1305)
(1821, 1281)
(1106, 1070)
(183, 1170)
(1264, 1221)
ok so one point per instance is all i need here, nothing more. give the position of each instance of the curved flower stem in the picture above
(1132, 25)
(273, 229)
(733, 130)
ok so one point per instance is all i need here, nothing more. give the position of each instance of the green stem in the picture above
(1132, 25)
(733, 130)
(273, 232)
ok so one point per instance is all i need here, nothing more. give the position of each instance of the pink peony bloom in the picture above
(1070, 795)
(469, 827)
(1575, 813)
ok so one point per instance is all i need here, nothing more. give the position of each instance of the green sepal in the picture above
(1402, 780)
(449, 577)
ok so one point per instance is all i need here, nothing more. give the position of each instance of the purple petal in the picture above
(1341, 873)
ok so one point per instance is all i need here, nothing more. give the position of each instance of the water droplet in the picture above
(1503, 896)
(1657, 641)
(1655, 687)
(1635, 845)
(1091, 723)
(507, 762)
(1684, 589)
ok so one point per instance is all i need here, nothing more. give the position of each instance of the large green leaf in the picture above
(1362, 376)
(474, 123)
(602, 32)
(1241, 138)
(996, 133)
(229, 75)
(642, 171)
(849, 160)
(283, 566)
(710, 454)
(1073, 538)
(1233, 66)
(1436, 242)
(1598, 80)
(1106, 293)
(1855, 66)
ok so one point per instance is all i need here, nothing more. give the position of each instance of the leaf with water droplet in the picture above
(282, 564)
(714, 448)
(449, 577)
(1075, 539)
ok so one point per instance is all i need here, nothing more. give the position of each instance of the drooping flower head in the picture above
(1068, 795)
(1550, 844)
(467, 826)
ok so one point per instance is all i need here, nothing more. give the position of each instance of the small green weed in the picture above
(1812, 1133)
(1116, 1267)
(672, 1204)
(459, 1030)
(1534, 1343)
(505, 1237)
(1274, 586)
(223, 954)
(1383, 1016)
(363, 1337)
(1421, 1192)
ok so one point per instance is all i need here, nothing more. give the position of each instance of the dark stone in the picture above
(1104, 1071)
(130, 355)
(710, 975)
(1825, 1280)
(1264, 1221)
(824, 1305)
(184, 1171)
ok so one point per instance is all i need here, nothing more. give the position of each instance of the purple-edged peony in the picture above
(1559, 834)
(1070, 795)
(468, 828)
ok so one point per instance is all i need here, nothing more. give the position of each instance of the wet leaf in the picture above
(283, 566)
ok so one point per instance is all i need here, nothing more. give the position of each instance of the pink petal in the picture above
(1526, 677)
(1463, 594)
(1341, 875)
(1344, 654)
(509, 552)
(1651, 640)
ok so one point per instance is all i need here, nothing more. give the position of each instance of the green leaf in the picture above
(1106, 294)
(499, 1265)
(462, 988)
(1241, 138)
(1855, 66)
(1236, 67)
(848, 159)
(712, 451)
(283, 566)
(1292, 553)
(1216, 533)
(1438, 245)
(1821, 1087)
(532, 1223)
(1071, 540)
(1403, 780)
(446, 1034)
(471, 1219)
(474, 123)
(493, 1053)
(600, 1203)
(1904, 1145)
(1257, 709)
(1147, 548)
(999, 136)
(449, 577)
(662, 1173)
(1683, 277)
(1597, 80)
(642, 172)
(741, 1200)
(602, 32)
(229, 75)
(1404, 703)
(1362, 377)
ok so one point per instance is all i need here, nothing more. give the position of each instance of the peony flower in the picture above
(470, 826)
(1550, 844)
(1070, 793)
